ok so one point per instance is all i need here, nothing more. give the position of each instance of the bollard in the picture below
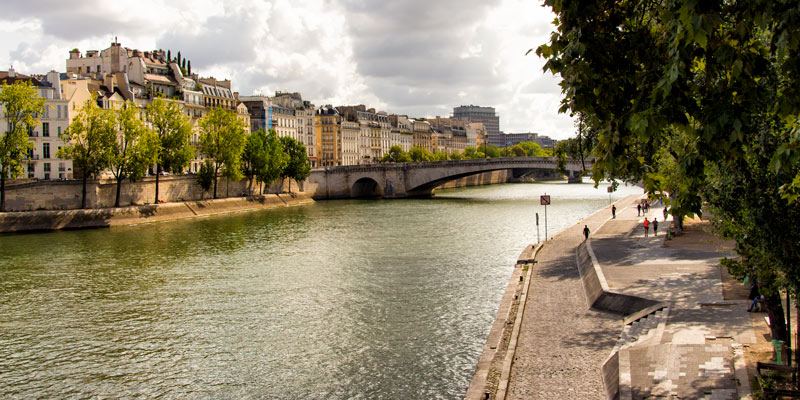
(778, 345)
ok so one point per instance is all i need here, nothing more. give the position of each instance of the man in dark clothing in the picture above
(638, 210)
(655, 226)
(586, 231)
(614, 211)
(755, 296)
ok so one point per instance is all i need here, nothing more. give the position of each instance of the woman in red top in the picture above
(646, 227)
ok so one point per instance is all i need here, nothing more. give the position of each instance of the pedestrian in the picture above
(614, 212)
(586, 231)
(646, 227)
(755, 296)
(655, 226)
(638, 210)
(665, 213)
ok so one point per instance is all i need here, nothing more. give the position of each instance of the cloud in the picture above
(413, 57)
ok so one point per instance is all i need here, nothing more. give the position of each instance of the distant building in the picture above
(485, 115)
(511, 139)
(327, 127)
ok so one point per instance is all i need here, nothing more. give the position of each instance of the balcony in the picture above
(31, 157)
(33, 134)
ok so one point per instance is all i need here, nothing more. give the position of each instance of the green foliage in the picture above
(396, 154)
(90, 141)
(297, 165)
(561, 157)
(470, 153)
(263, 158)
(698, 99)
(21, 103)
(440, 156)
(456, 156)
(533, 149)
(222, 139)
(135, 149)
(206, 176)
(174, 131)
(492, 152)
(420, 154)
(518, 151)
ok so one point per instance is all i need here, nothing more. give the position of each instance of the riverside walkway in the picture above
(688, 346)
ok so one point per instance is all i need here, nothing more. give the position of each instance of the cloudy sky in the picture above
(414, 57)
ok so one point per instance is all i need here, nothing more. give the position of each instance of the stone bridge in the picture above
(396, 180)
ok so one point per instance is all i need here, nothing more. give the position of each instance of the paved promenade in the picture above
(689, 349)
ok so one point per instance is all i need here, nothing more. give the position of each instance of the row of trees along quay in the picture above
(418, 153)
(700, 101)
(128, 141)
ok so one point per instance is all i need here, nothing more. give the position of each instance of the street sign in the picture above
(545, 200)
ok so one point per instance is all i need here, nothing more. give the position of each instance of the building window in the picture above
(45, 129)
(46, 154)
(59, 131)
(47, 167)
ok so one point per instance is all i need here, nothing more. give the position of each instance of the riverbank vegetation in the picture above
(420, 154)
(699, 101)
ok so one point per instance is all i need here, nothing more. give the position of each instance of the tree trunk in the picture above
(290, 185)
(2, 192)
(158, 172)
(580, 142)
(83, 191)
(777, 323)
(215, 182)
(119, 189)
(227, 187)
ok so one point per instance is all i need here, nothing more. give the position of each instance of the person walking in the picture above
(646, 227)
(638, 210)
(586, 232)
(655, 226)
(614, 212)
(755, 296)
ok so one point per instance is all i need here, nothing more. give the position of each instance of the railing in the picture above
(33, 134)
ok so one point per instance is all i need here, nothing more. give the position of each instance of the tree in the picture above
(395, 155)
(456, 156)
(561, 157)
(277, 160)
(169, 55)
(174, 131)
(518, 151)
(254, 157)
(189, 67)
(533, 149)
(135, 149)
(21, 103)
(297, 165)
(470, 153)
(439, 156)
(222, 139)
(90, 140)
(492, 151)
(419, 154)
(651, 77)
(205, 176)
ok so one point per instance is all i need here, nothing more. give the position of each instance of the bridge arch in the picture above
(366, 187)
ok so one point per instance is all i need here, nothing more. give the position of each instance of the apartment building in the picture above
(350, 133)
(327, 125)
(402, 134)
(485, 115)
(62, 101)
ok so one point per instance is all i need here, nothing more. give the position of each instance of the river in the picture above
(350, 299)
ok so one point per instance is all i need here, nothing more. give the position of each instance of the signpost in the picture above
(545, 201)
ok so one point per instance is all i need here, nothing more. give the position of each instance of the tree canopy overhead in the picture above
(699, 99)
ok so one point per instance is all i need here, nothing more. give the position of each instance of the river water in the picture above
(336, 300)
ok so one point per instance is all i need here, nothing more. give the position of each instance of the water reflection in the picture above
(341, 299)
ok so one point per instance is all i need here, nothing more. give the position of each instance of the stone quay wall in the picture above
(66, 195)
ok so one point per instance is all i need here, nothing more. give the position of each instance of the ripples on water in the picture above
(340, 299)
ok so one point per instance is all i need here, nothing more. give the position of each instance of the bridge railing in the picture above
(521, 161)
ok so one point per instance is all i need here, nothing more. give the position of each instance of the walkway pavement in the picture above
(691, 349)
